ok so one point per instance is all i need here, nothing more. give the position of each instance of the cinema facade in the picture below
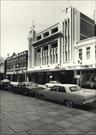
(65, 51)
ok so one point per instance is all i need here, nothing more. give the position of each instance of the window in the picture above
(45, 55)
(78, 72)
(54, 53)
(61, 89)
(54, 30)
(37, 57)
(65, 55)
(46, 34)
(53, 89)
(74, 88)
(39, 37)
(88, 52)
(66, 24)
(80, 54)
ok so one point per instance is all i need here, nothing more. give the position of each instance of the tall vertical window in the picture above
(54, 54)
(95, 51)
(80, 54)
(37, 57)
(65, 55)
(88, 52)
(45, 56)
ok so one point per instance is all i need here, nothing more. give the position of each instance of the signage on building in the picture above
(77, 76)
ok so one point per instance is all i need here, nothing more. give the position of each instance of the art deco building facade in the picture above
(16, 66)
(52, 51)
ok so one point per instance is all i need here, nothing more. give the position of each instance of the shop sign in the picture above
(77, 76)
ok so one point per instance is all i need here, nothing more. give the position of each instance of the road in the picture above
(22, 115)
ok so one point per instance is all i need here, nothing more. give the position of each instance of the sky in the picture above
(17, 17)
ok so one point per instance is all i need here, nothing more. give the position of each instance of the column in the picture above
(41, 56)
(64, 45)
(30, 53)
(32, 56)
(68, 55)
(62, 51)
(49, 47)
(58, 50)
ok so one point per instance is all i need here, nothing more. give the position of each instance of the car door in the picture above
(51, 94)
(61, 94)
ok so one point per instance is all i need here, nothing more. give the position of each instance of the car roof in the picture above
(66, 85)
(54, 81)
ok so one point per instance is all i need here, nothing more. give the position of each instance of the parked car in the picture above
(52, 83)
(5, 84)
(27, 88)
(14, 83)
(69, 94)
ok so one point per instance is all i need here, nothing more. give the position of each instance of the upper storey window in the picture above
(39, 37)
(80, 54)
(46, 34)
(88, 52)
(54, 30)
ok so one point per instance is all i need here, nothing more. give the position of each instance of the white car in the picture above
(69, 94)
(52, 83)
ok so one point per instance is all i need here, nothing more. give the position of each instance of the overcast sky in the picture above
(17, 16)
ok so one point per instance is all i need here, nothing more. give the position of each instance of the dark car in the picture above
(5, 84)
(26, 88)
(20, 88)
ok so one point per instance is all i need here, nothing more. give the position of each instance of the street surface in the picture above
(23, 115)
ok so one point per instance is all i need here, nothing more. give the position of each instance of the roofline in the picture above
(41, 31)
(87, 39)
(17, 54)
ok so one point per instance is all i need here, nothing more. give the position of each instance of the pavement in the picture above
(22, 115)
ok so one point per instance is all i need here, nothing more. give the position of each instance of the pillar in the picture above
(49, 48)
(58, 50)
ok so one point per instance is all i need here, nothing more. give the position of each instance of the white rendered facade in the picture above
(85, 62)
(55, 52)
(53, 47)
(85, 52)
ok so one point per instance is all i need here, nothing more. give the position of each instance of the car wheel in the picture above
(69, 103)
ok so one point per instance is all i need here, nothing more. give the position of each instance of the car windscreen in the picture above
(74, 88)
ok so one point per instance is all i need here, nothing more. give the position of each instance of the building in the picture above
(51, 53)
(2, 68)
(16, 67)
(85, 62)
